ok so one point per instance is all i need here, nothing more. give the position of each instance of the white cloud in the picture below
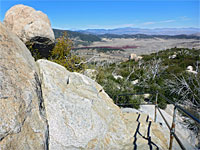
(148, 23)
(166, 21)
(109, 26)
(158, 22)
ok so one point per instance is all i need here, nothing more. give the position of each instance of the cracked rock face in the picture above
(31, 26)
(80, 114)
(22, 117)
(45, 107)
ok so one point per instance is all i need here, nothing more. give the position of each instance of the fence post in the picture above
(155, 115)
(172, 131)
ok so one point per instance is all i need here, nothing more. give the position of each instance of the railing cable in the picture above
(172, 128)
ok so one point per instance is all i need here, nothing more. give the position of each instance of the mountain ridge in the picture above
(98, 37)
(155, 31)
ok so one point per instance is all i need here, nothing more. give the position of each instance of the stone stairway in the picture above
(146, 134)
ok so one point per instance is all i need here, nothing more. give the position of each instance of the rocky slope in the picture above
(79, 112)
(45, 107)
(23, 124)
(76, 113)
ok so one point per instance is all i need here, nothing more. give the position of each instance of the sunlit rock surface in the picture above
(22, 116)
(79, 112)
(186, 136)
(31, 26)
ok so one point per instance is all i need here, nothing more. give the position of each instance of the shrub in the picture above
(154, 73)
(62, 55)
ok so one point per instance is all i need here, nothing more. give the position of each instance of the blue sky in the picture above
(81, 14)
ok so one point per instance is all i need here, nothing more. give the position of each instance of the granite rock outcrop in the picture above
(80, 114)
(43, 106)
(32, 27)
(23, 124)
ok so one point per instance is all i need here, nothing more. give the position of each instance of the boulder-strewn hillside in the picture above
(45, 107)
(82, 116)
(58, 110)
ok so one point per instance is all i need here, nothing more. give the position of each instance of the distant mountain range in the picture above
(156, 31)
(91, 37)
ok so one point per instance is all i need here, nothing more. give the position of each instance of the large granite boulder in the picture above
(32, 27)
(80, 114)
(23, 124)
(43, 106)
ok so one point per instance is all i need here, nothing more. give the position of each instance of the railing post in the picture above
(155, 115)
(172, 131)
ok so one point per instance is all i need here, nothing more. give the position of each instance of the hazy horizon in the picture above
(128, 27)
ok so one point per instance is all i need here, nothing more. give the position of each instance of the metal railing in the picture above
(172, 128)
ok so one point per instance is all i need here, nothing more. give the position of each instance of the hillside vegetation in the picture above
(61, 54)
(72, 34)
(164, 71)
